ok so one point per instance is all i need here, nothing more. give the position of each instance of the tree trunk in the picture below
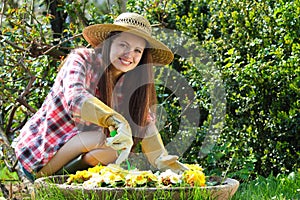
(57, 23)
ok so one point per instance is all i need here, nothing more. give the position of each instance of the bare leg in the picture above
(103, 155)
(92, 142)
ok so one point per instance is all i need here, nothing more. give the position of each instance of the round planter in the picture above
(218, 192)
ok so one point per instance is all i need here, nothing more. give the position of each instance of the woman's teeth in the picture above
(125, 62)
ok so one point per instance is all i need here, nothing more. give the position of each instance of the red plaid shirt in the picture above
(58, 120)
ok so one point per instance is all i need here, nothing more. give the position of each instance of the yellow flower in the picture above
(194, 176)
(134, 178)
(95, 169)
(80, 176)
(111, 178)
(115, 169)
(140, 179)
(114, 175)
(194, 167)
(130, 180)
(152, 178)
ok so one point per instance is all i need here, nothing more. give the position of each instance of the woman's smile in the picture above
(125, 61)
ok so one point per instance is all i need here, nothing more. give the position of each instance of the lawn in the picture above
(281, 187)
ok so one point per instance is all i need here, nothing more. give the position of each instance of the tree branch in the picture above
(29, 85)
(57, 45)
(3, 138)
(10, 159)
(24, 103)
(10, 120)
(11, 43)
(2, 12)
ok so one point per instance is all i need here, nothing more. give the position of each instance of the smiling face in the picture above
(126, 51)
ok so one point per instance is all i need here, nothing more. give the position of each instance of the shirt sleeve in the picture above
(75, 73)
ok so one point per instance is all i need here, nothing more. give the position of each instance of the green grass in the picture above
(281, 187)
(5, 174)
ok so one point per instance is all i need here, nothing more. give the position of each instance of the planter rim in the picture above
(218, 192)
(228, 183)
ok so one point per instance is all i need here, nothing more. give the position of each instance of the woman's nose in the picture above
(128, 53)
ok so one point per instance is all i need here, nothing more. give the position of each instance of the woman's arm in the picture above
(154, 149)
(74, 75)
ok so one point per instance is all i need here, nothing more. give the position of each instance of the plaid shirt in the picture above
(57, 121)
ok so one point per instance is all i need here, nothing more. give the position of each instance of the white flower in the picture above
(93, 182)
(169, 177)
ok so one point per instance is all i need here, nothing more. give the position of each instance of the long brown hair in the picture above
(137, 104)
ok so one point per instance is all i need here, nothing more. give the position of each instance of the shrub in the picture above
(255, 46)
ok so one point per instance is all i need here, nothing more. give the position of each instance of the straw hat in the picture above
(135, 24)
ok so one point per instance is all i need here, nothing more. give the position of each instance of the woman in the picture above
(99, 89)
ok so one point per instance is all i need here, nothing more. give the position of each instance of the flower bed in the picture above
(116, 182)
(115, 176)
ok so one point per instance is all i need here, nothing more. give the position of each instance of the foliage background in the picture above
(254, 44)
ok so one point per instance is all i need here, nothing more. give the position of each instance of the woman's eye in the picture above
(123, 45)
(138, 51)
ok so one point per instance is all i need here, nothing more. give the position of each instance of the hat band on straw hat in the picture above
(134, 24)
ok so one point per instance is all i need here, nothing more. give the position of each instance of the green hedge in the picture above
(255, 45)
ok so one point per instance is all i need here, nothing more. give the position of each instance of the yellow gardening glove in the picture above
(157, 155)
(170, 162)
(95, 111)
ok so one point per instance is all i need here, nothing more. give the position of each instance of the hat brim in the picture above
(96, 34)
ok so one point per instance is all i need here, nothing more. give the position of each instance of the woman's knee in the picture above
(87, 141)
(103, 156)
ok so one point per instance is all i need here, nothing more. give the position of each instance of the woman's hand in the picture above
(157, 155)
(123, 139)
(170, 162)
(95, 111)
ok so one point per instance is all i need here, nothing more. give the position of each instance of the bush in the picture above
(258, 54)
(255, 46)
